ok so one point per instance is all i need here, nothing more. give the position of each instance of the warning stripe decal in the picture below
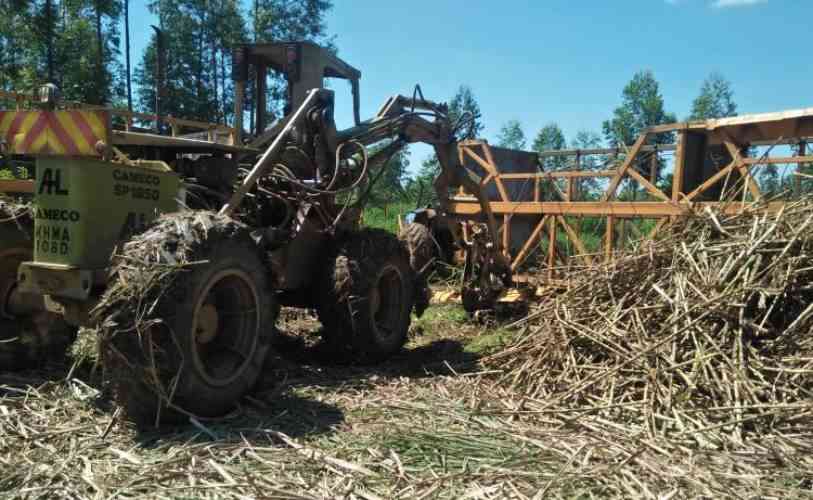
(36, 133)
(71, 147)
(89, 129)
(73, 133)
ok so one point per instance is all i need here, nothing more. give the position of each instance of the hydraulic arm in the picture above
(401, 121)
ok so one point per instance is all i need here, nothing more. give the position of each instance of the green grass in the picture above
(442, 321)
(444, 313)
(386, 217)
(450, 321)
(490, 341)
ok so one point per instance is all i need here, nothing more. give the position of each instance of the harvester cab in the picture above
(304, 67)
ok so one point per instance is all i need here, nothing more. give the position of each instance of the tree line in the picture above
(82, 47)
(642, 106)
(71, 43)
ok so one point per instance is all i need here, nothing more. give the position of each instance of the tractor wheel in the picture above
(367, 296)
(423, 251)
(25, 341)
(187, 324)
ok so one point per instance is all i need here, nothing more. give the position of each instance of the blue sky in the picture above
(565, 61)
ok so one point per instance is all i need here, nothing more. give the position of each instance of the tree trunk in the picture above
(250, 94)
(5, 67)
(223, 85)
(49, 39)
(100, 86)
(127, 53)
(256, 11)
(199, 69)
(12, 61)
(218, 109)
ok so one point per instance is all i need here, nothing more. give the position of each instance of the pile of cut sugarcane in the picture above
(701, 342)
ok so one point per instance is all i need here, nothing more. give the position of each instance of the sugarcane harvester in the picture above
(180, 251)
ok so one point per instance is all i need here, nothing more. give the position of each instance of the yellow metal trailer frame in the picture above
(558, 201)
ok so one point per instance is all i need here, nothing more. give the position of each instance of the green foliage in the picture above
(290, 20)
(550, 138)
(71, 43)
(806, 183)
(511, 135)
(450, 314)
(420, 190)
(491, 341)
(665, 183)
(641, 107)
(716, 99)
(14, 168)
(465, 114)
(430, 168)
(769, 180)
(588, 188)
(199, 35)
(389, 179)
(10, 170)
(286, 20)
(386, 216)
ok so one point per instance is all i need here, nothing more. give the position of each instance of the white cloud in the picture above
(721, 4)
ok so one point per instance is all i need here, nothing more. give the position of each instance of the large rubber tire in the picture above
(30, 341)
(366, 296)
(186, 327)
(423, 252)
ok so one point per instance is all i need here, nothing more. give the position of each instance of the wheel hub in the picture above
(226, 327)
(208, 324)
